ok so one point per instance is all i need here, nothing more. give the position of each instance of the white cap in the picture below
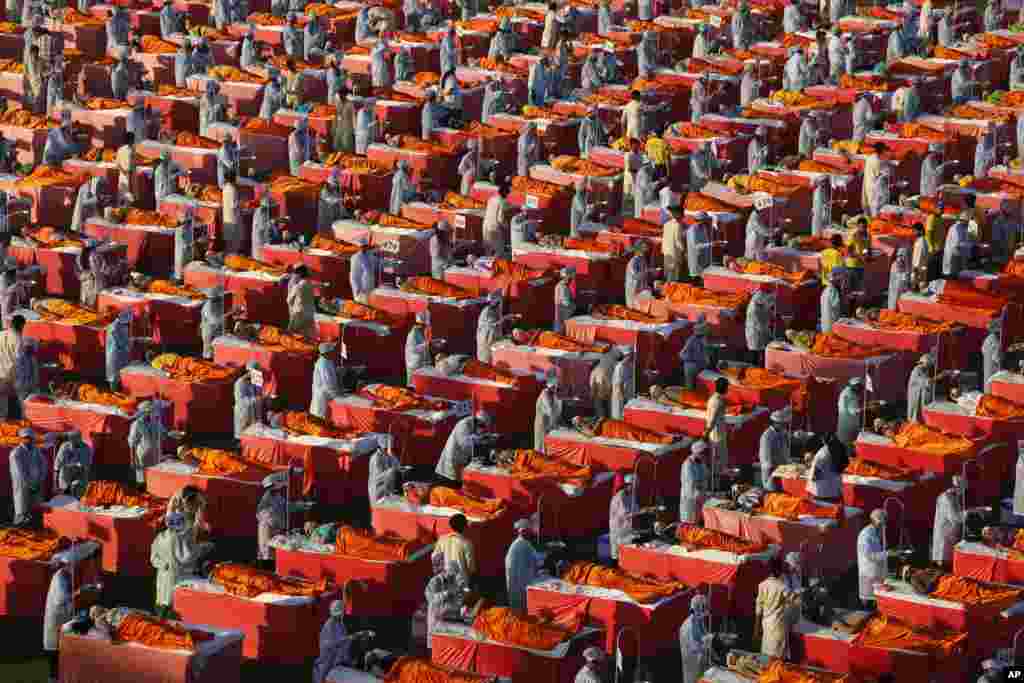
(325, 348)
(593, 654)
(174, 520)
(878, 516)
(483, 417)
(276, 479)
(423, 317)
(337, 608)
(698, 447)
(522, 525)
(781, 416)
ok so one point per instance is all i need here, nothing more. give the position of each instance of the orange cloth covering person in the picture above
(694, 537)
(58, 310)
(332, 245)
(446, 497)
(357, 311)
(558, 342)
(529, 465)
(691, 399)
(680, 293)
(245, 264)
(31, 544)
(111, 493)
(886, 632)
(748, 267)
(967, 591)
(429, 286)
(831, 345)
(410, 670)
(759, 378)
(536, 632)
(272, 336)
(641, 589)
(477, 370)
(399, 399)
(304, 424)
(955, 293)
(779, 671)
(366, 545)
(885, 319)
(607, 428)
(862, 467)
(193, 369)
(619, 312)
(215, 462)
(90, 393)
(128, 625)
(793, 507)
(169, 288)
(998, 408)
(919, 437)
(248, 582)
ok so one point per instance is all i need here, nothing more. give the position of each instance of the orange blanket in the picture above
(862, 467)
(608, 428)
(812, 166)
(503, 625)
(955, 293)
(245, 264)
(409, 670)
(399, 399)
(332, 245)
(166, 90)
(214, 462)
(697, 399)
(477, 370)
(972, 592)
(759, 378)
(793, 508)
(231, 73)
(471, 506)
(187, 139)
(619, 312)
(45, 176)
(888, 633)
(142, 217)
(264, 127)
(284, 185)
(429, 286)
(879, 226)
(456, 201)
(680, 293)
(639, 588)
(357, 311)
(73, 16)
(265, 19)
(278, 338)
(365, 545)
(635, 226)
(865, 83)
(919, 437)
(529, 465)
(24, 119)
(520, 272)
(532, 186)
(1015, 267)
(698, 538)
(354, 164)
(416, 144)
(98, 103)
(90, 393)
(170, 289)
(831, 345)
(248, 582)
(695, 201)
(28, 544)
(188, 369)
(154, 45)
(51, 238)
(776, 271)
(998, 408)
(305, 424)
(592, 245)
(9, 431)
(58, 310)
(559, 342)
(779, 671)
(895, 320)
(153, 632)
(110, 493)
(585, 167)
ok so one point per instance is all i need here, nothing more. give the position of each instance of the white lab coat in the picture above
(620, 522)
(73, 463)
(773, 451)
(830, 307)
(565, 306)
(417, 352)
(601, 384)
(488, 329)
(521, 563)
(693, 484)
(871, 564)
(850, 415)
(919, 392)
(623, 386)
(211, 324)
(335, 648)
(248, 398)
(1018, 485)
(757, 327)
(59, 600)
(458, 449)
(174, 556)
(991, 359)
(145, 439)
(362, 275)
(673, 248)
(443, 594)
(28, 477)
(547, 417)
(691, 647)
(382, 476)
(773, 608)
(948, 529)
(957, 249)
(636, 278)
(495, 228)
(325, 387)
(271, 519)
(823, 481)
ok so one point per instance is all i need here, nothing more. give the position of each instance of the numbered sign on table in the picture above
(256, 377)
(763, 201)
(716, 21)
(391, 246)
(532, 201)
(460, 220)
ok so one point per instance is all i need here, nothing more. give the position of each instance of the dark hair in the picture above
(918, 228)
(862, 220)
(969, 200)
(721, 385)
(129, 138)
(229, 175)
(301, 269)
(837, 240)
(635, 95)
(457, 523)
(881, 148)
(18, 322)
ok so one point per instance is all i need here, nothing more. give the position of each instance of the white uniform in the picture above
(458, 450)
(58, 608)
(325, 387)
(521, 563)
(382, 476)
(871, 564)
(547, 417)
(28, 477)
(174, 556)
(822, 479)
(620, 522)
(948, 527)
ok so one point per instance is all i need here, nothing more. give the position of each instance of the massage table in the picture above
(976, 320)
(103, 427)
(279, 367)
(533, 299)
(655, 626)
(791, 360)
(917, 496)
(149, 248)
(744, 430)
(429, 170)
(324, 266)
(204, 213)
(80, 349)
(838, 540)
(24, 584)
(659, 344)
(876, 269)
(573, 368)
(619, 455)
(736, 575)
(989, 625)
(466, 224)
(198, 407)
(991, 462)
(279, 629)
(58, 274)
(773, 398)
(418, 435)
(340, 467)
(726, 323)
(601, 272)
(459, 646)
(958, 419)
(230, 500)
(801, 302)
(494, 143)
(980, 561)
(125, 535)
(181, 111)
(825, 647)
(566, 509)
(405, 251)
(92, 657)
(106, 127)
(1008, 385)
(378, 346)
(453, 320)
(560, 133)
(953, 354)
(602, 189)
(173, 320)
(261, 295)
(490, 536)
(511, 407)
(378, 588)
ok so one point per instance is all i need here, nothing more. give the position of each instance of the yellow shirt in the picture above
(658, 151)
(457, 550)
(856, 249)
(830, 258)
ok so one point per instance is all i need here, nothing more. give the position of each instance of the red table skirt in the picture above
(740, 580)
(839, 542)
(995, 568)
(956, 422)
(454, 323)
(280, 368)
(889, 374)
(532, 299)
(125, 543)
(573, 369)
(263, 300)
(773, 398)
(974, 318)
(655, 627)
(77, 348)
(562, 515)
(381, 589)
(61, 276)
(106, 433)
(25, 583)
(408, 251)
(325, 267)
(382, 354)
(655, 351)
(416, 440)
(96, 660)
(605, 276)
(339, 476)
(1011, 391)
(230, 503)
(198, 407)
(800, 302)
(512, 408)
(171, 323)
(149, 251)
(618, 457)
(490, 537)
(953, 352)
(726, 323)
(489, 658)
(274, 633)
